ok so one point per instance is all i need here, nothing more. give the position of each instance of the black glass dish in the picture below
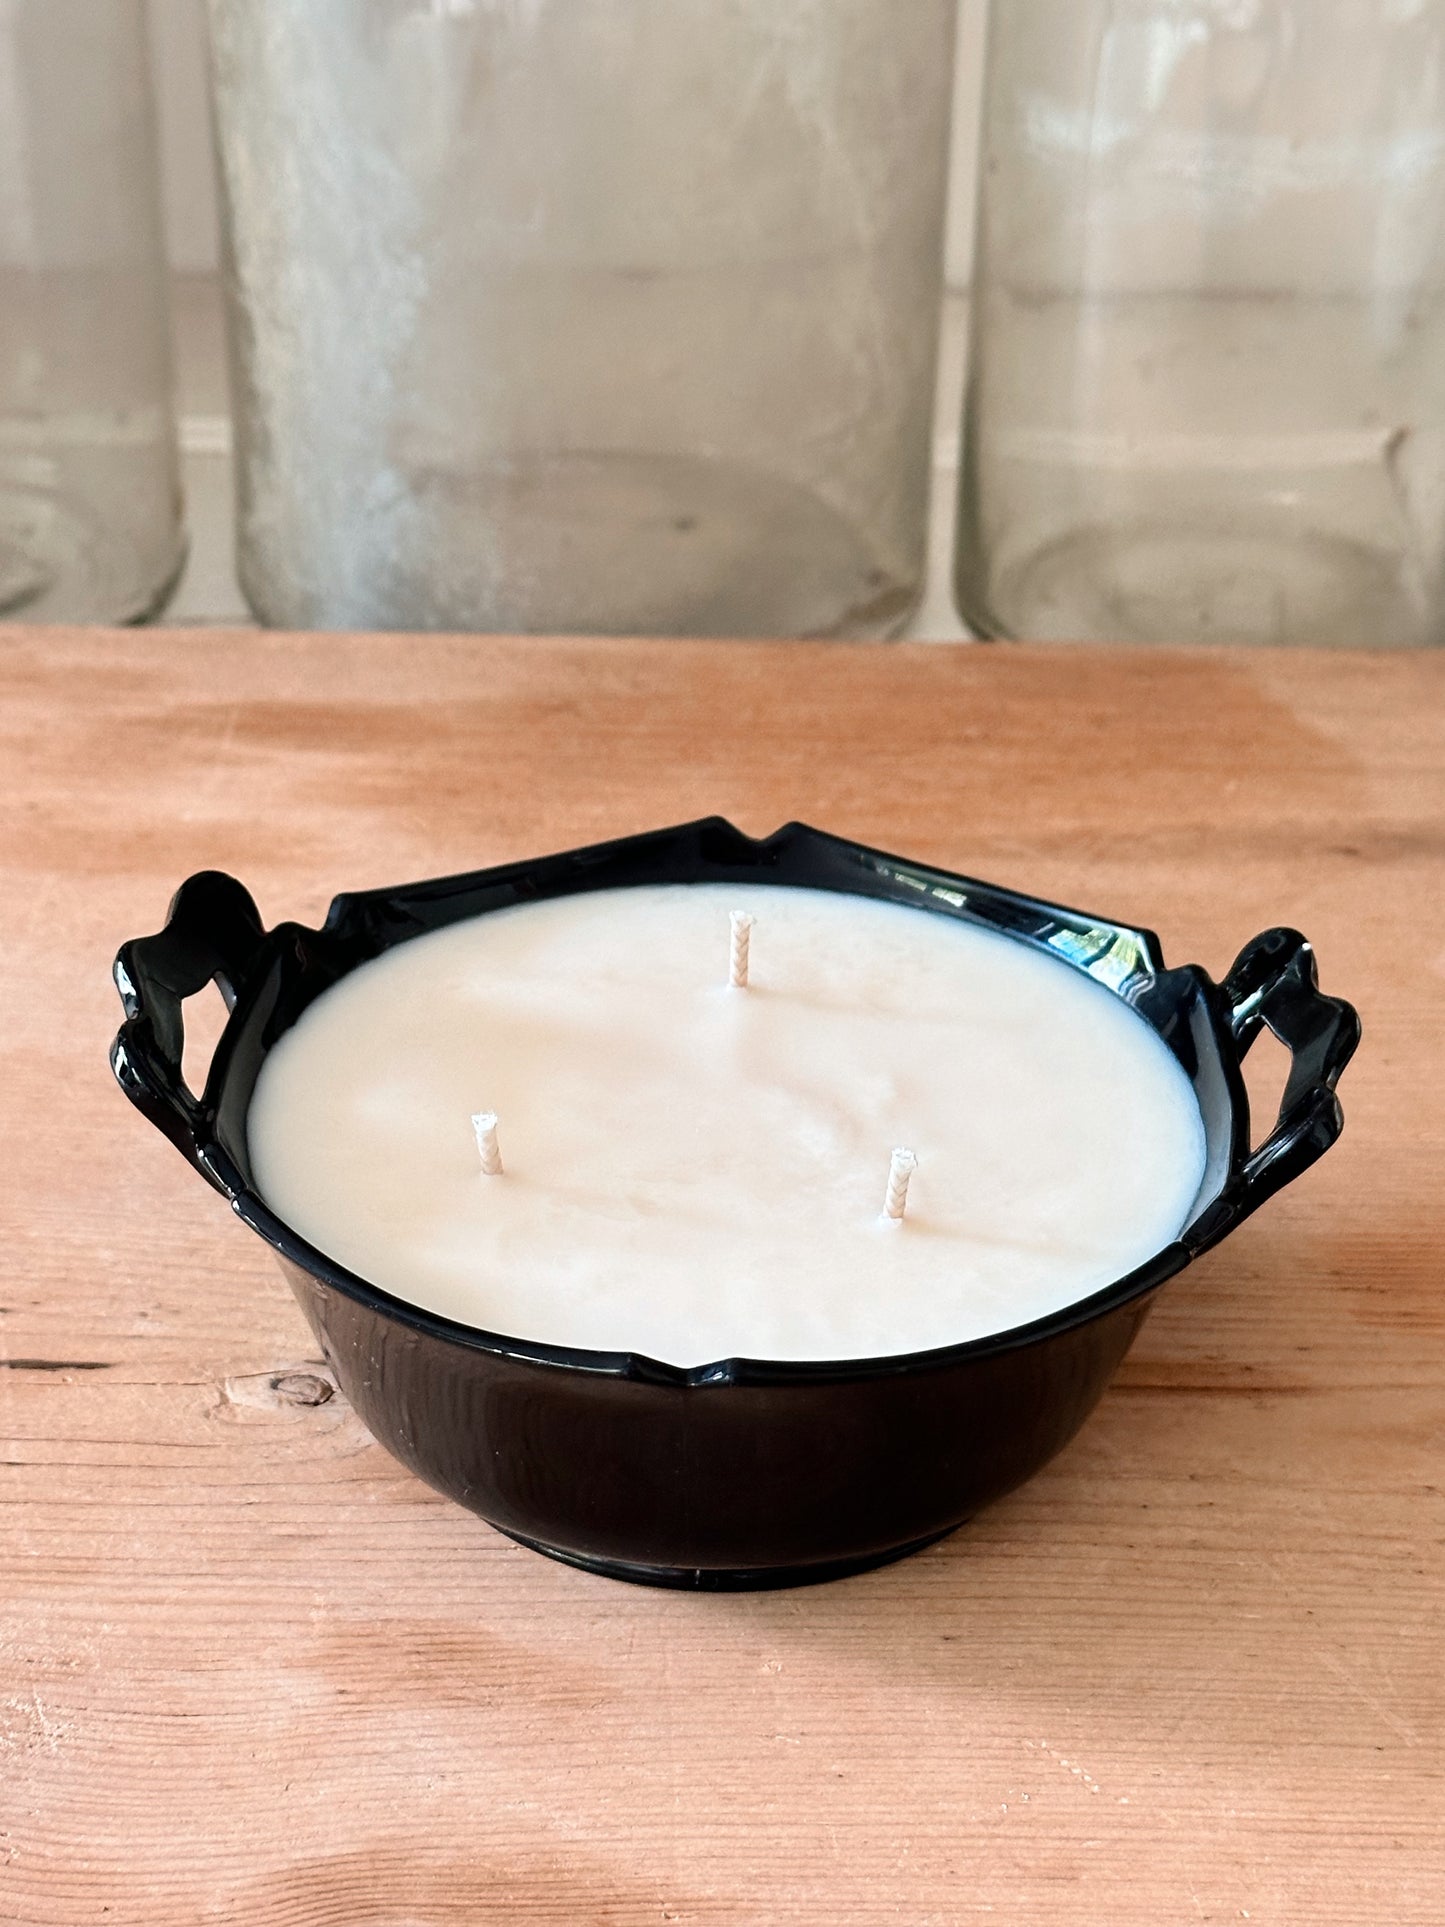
(745, 1472)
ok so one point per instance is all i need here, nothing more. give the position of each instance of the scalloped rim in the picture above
(293, 1249)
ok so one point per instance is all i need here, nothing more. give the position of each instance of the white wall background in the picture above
(178, 49)
(178, 41)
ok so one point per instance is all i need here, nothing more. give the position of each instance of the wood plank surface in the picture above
(252, 1672)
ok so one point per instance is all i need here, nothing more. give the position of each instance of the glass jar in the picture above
(1207, 390)
(90, 502)
(592, 315)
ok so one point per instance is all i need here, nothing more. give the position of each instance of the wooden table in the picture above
(252, 1672)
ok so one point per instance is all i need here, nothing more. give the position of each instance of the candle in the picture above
(695, 1174)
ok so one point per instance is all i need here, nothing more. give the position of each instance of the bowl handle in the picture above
(1274, 984)
(212, 935)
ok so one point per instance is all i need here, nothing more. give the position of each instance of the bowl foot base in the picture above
(728, 1578)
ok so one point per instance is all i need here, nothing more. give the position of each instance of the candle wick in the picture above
(904, 1164)
(485, 1126)
(742, 931)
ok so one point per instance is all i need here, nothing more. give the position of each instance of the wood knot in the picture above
(284, 1389)
(302, 1388)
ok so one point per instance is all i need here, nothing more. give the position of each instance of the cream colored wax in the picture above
(697, 1171)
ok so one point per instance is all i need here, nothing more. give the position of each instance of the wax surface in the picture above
(697, 1172)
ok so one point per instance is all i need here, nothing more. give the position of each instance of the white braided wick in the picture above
(904, 1164)
(742, 931)
(485, 1126)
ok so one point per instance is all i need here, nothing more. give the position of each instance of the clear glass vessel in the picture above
(1207, 389)
(90, 502)
(597, 315)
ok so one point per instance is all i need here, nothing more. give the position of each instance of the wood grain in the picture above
(252, 1672)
